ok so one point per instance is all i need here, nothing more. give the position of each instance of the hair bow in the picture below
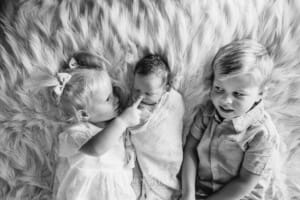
(73, 63)
(63, 79)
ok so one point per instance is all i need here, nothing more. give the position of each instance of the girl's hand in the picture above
(132, 115)
(187, 198)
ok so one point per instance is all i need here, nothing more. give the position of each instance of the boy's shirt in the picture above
(158, 145)
(248, 141)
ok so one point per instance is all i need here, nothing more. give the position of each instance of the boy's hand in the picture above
(132, 115)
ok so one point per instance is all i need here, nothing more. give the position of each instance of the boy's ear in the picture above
(82, 115)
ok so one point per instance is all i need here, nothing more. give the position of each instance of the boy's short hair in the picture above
(244, 56)
(153, 64)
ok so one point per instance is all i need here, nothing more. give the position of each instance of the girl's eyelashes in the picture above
(109, 98)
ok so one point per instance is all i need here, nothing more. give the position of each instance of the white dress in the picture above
(83, 177)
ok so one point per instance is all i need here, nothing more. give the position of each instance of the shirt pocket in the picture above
(230, 154)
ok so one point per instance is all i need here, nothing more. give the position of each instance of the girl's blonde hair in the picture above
(85, 73)
(79, 90)
(244, 56)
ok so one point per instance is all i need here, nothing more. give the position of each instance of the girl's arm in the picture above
(238, 187)
(109, 136)
(189, 168)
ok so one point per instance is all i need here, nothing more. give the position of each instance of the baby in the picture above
(232, 141)
(158, 139)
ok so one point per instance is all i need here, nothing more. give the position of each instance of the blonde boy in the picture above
(232, 141)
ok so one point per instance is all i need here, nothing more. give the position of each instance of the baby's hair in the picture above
(154, 64)
(244, 56)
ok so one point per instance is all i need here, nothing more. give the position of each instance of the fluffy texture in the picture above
(38, 37)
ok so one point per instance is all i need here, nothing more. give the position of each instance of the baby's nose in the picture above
(116, 100)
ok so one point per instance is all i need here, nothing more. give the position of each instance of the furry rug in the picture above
(38, 36)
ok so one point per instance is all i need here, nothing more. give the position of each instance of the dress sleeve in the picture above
(72, 139)
(198, 127)
(259, 153)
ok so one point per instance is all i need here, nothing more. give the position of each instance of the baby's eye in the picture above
(218, 89)
(148, 94)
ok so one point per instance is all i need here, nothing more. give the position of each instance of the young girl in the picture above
(93, 161)
(232, 142)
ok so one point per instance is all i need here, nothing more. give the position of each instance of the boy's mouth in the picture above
(148, 104)
(225, 110)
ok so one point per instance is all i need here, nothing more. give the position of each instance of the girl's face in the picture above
(104, 104)
(151, 87)
(234, 96)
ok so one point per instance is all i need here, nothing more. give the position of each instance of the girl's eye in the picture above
(108, 98)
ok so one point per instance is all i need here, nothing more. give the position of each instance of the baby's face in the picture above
(234, 96)
(151, 87)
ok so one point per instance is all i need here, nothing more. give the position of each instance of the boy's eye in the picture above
(238, 94)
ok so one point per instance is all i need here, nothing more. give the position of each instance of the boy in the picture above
(158, 139)
(232, 141)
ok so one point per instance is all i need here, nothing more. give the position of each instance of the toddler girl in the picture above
(93, 161)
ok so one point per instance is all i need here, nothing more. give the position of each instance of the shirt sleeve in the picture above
(259, 152)
(198, 127)
(73, 138)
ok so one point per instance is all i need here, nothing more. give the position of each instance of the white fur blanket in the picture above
(40, 35)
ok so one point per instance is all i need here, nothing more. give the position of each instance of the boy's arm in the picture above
(189, 168)
(238, 187)
(109, 136)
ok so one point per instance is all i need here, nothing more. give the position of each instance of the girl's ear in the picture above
(168, 87)
(263, 91)
(83, 115)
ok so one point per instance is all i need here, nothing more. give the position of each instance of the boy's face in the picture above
(151, 86)
(234, 96)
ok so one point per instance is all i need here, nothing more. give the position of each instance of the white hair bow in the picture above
(63, 79)
(73, 63)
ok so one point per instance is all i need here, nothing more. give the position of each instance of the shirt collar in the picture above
(241, 123)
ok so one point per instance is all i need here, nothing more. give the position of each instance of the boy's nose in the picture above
(227, 99)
